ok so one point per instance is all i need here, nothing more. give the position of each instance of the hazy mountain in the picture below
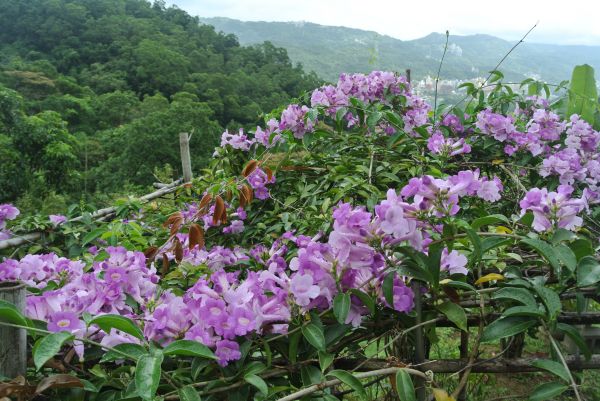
(329, 50)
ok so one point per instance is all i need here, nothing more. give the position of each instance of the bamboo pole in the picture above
(13, 341)
(98, 215)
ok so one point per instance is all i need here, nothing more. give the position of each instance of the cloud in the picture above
(558, 22)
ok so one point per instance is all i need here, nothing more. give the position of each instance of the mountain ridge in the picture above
(330, 50)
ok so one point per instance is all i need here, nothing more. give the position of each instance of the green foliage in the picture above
(91, 92)
(583, 94)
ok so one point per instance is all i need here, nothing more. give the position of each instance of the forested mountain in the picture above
(329, 50)
(93, 93)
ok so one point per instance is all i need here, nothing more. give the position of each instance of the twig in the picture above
(564, 362)
(362, 375)
(437, 78)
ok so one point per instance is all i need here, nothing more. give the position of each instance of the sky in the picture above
(558, 22)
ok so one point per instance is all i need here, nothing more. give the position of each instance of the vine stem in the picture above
(437, 78)
(484, 83)
(84, 340)
(362, 375)
(464, 379)
(564, 363)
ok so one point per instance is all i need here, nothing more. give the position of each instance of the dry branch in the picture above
(98, 215)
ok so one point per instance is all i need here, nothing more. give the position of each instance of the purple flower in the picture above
(237, 141)
(453, 262)
(227, 351)
(64, 321)
(242, 321)
(57, 219)
(403, 296)
(490, 190)
(497, 125)
(303, 289)
(553, 209)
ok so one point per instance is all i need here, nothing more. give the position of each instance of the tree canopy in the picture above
(94, 93)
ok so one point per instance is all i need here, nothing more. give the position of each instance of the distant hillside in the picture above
(329, 50)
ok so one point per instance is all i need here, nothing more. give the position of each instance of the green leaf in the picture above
(107, 322)
(325, 360)
(566, 256)
(544, 249)
(520, 295)
(293, 346)
(404, 386)
(561, 235)
(506, 327)
(582, 247)
(188, 393)
(257, 382)
(493, 242)
(254, 368)
(133, 351)
(49, 346)
(92, 235)
(460, 284)
(388, 288)
(583, 95)
(546, 391)
(550, 299)
(10, 314)
(314, 335)
(553, 367)
(147, 375)
(487, 220)
(373, 119)
(477, 246)
(341, 307)
(455, 314)
(188, 348)
(588, 271)
(523, 310)
(351, 381)
(576, 337)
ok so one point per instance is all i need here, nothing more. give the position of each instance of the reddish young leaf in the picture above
(196, 236)
(250, 167)
(219, 209)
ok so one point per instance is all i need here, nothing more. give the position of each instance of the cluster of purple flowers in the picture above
(7, 212)
(258, 180)
(67, 291)
(552, 210)
(578, 159)
(348, 260)
(374, 87)
(542, 128)
(217, 310)
(440, 145)
(440, 197)
(569, 149)
(223, 306)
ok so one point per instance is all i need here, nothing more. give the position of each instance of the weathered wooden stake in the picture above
(408, 75)
(186, 161)
(419, 340)
(13, 342)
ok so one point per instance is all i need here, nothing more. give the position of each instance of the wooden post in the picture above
(408, 75)
(464, 354)
(186, 161)
(13, 342)
(419, 340)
